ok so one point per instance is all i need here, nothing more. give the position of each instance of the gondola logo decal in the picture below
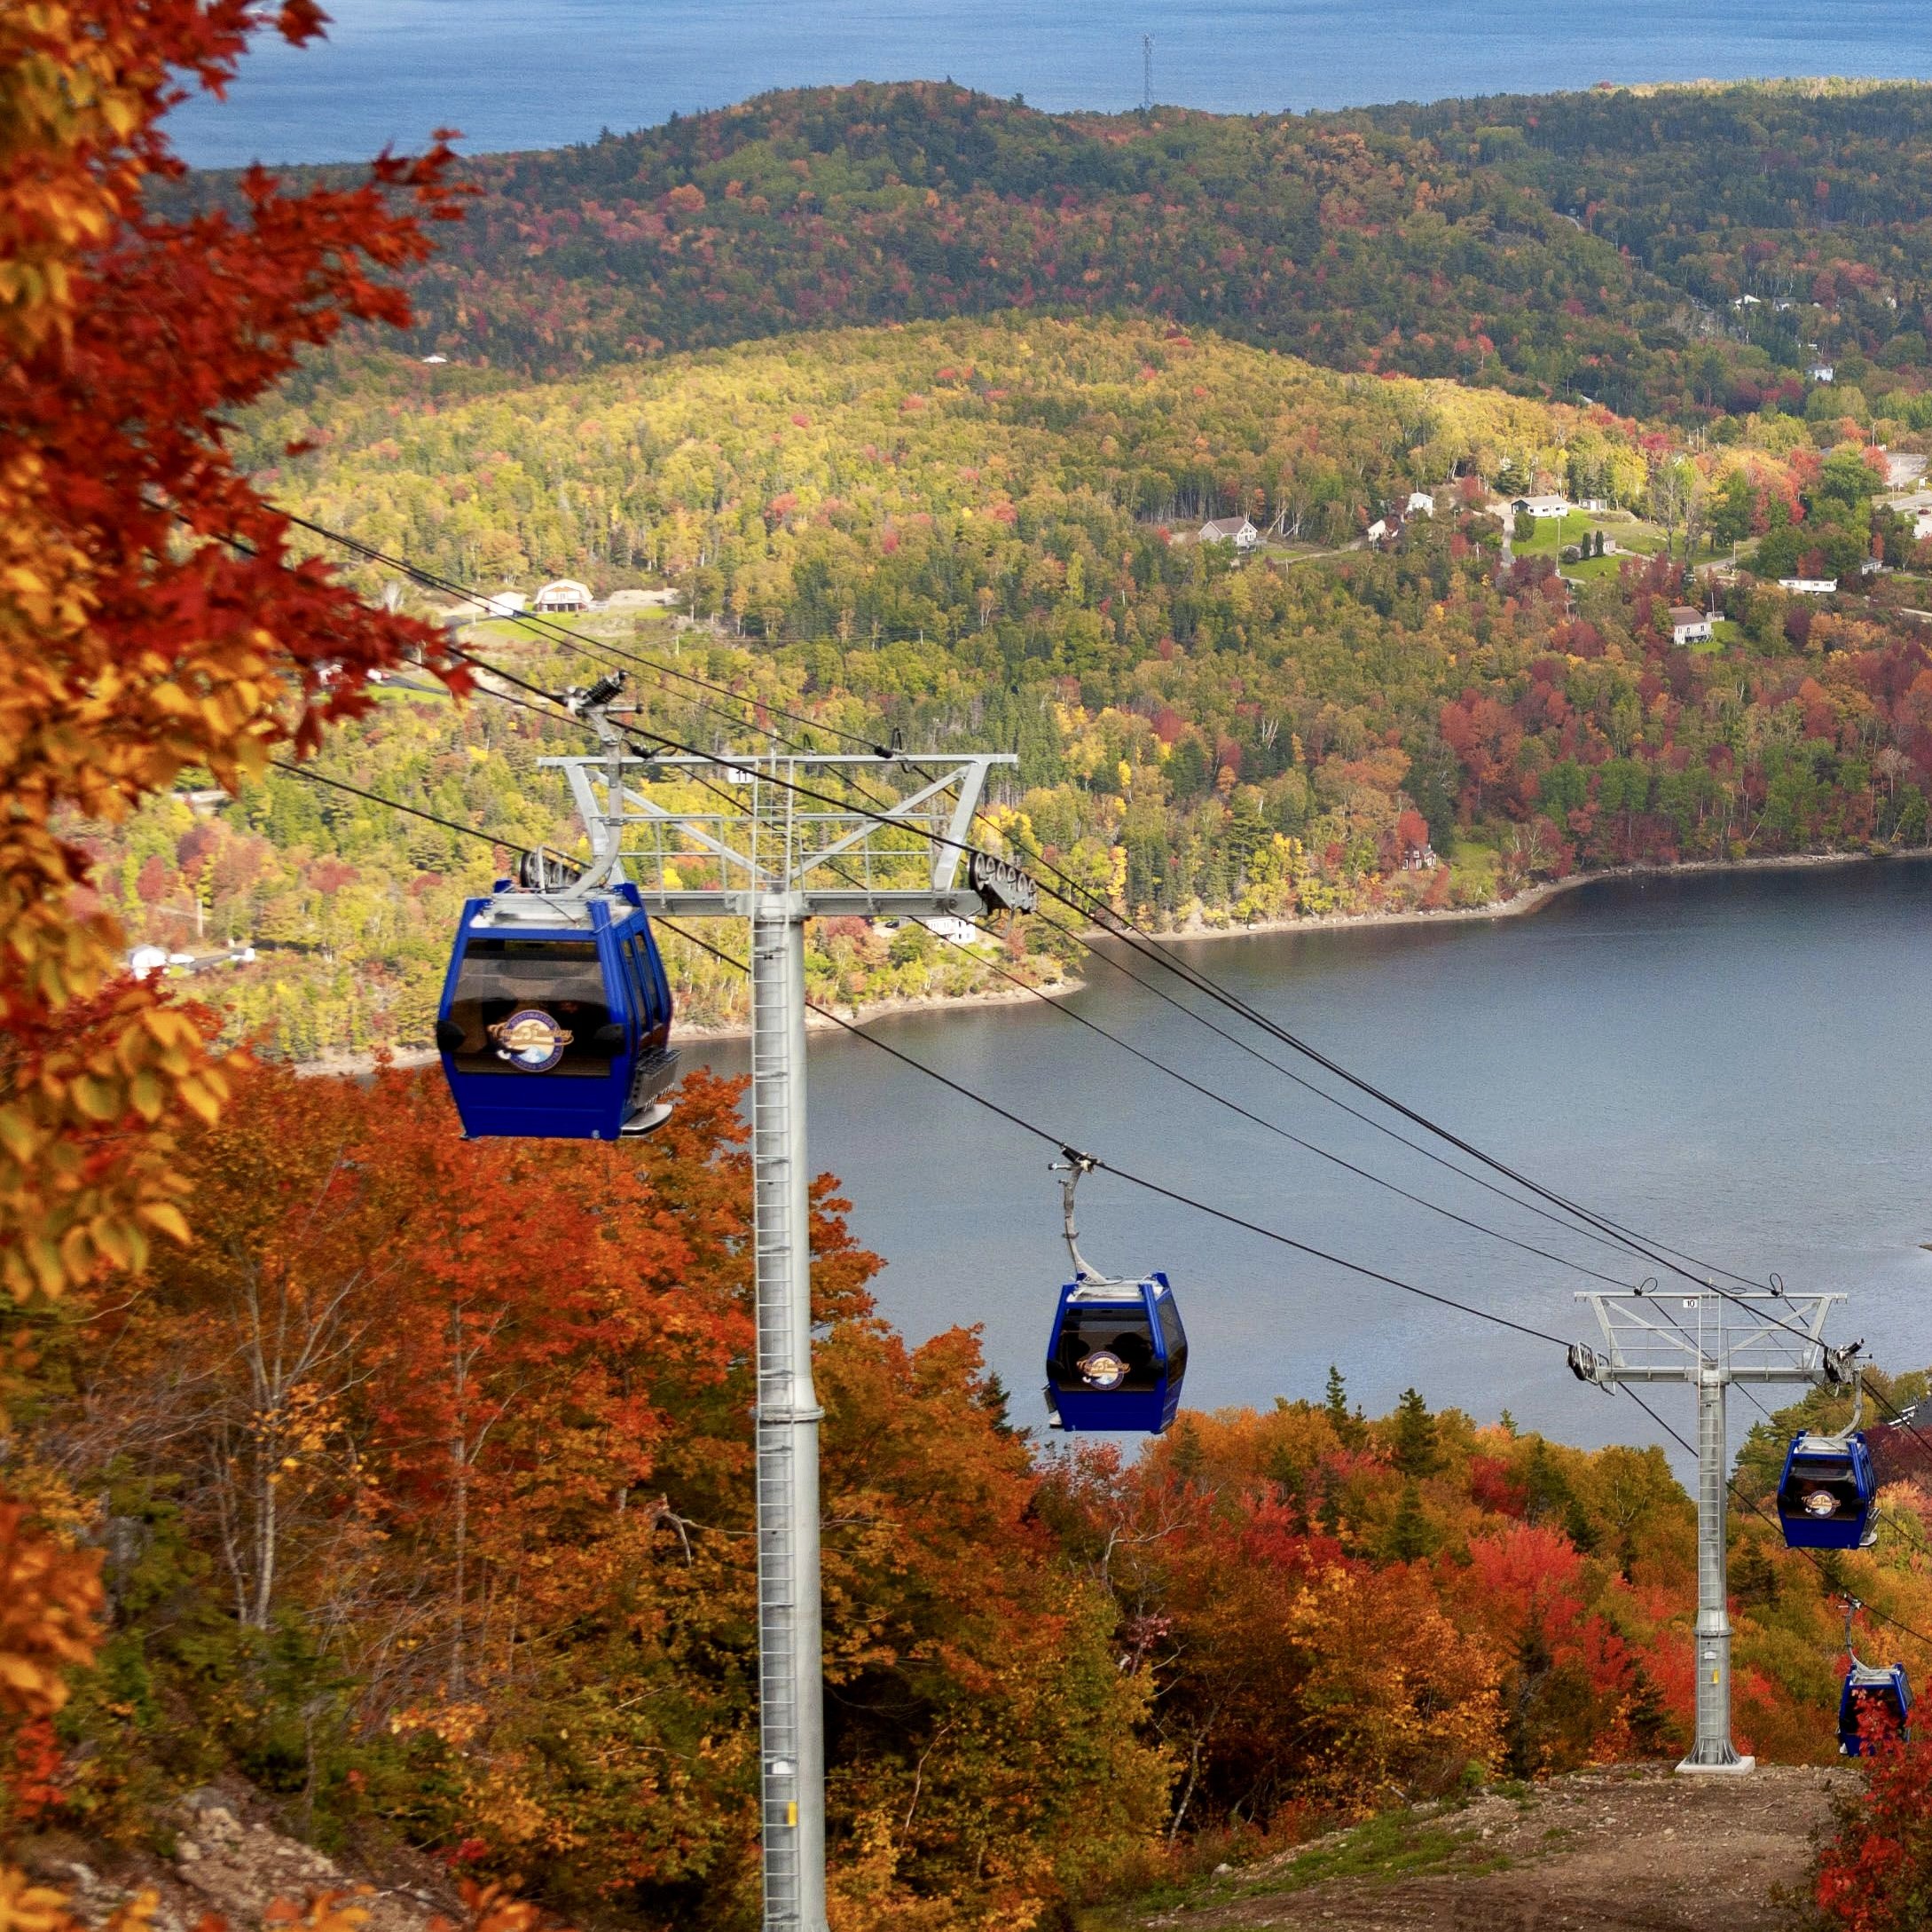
(530, 1040)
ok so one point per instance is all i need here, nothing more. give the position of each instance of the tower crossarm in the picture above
(1747, 1335)
(781, 821)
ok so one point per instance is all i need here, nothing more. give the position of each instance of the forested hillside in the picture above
(985, 531)
(431, 1546)
(1568, 246)
(398, 1487)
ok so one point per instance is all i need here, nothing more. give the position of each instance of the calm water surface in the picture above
(517, 74)
(1737, 1064)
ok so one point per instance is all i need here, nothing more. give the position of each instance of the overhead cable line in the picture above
(1762, 1515)
(1234, 1106)
(1148, 1059)
(992, 1106)
(1138, 1181)
(1088, 906)
(1333, 1100)
(1593, 1227)
(1132, 935)
(1260, 1120)
(535, 621)
(395, 805)
(1239, 1221)
(1144, 1182)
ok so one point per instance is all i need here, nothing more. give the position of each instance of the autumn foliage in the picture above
(416, 1472)
(151, 622)
(425, 1482)
(433, 1460)
(1875, 1872)
(150, 618)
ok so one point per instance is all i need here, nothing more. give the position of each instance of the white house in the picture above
(432, 361)
(1542, 505)
(1809, 587)
(1820, 371)
(955, 932)
(1689, 625)
(1377, 531)
(504, 604)
(565, 594)
(1420, 504)
(946, 927)
(1230, 530)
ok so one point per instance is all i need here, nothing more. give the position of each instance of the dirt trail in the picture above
(1620, 1850)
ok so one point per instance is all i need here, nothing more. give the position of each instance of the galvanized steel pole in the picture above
(782, 852)
(1713, 1750)
(791, 1709)
(1753, 1335)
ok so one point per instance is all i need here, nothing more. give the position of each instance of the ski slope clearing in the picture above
(1629, 1850)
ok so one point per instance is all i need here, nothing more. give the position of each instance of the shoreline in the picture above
(1535, 898)
(1531, 899)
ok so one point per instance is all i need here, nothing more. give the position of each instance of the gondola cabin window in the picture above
(529, 1006)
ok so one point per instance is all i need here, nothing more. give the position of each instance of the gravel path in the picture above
(1620, 1850)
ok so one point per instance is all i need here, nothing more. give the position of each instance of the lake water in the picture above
(1736, 1063)
(514, 74)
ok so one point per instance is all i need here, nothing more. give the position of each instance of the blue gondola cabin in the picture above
(1827, 1494)
(1875, 1705)
(1116, 1356)
(555, 1017)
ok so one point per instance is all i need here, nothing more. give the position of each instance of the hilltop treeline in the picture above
(434, 1547)
(1568, 246)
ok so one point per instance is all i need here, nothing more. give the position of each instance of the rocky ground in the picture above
(1621, 1850)
(227, 1859)
(1634, 1850)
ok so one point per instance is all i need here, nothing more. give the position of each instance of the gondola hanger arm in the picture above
(1071, 1164)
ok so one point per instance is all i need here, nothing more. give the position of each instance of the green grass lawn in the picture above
(1591, 570)
(1473, 874)
(1547, 540)
(1631, 535)
(1396, 1845)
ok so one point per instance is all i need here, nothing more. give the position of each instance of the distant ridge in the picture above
(1680, 251)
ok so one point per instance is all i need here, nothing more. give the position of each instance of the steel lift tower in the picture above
(1711, 1340)
(745, 839)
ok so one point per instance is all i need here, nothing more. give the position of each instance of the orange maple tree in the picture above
(150, 616)
(152, 619)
